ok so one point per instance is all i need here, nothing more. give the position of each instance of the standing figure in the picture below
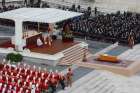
(67, 34)
(25, 2)
(95, 11)
(31, 3)
(131, 40)
(53, 84)
(78, 8)
(38, 3)
(3, 3)
(62, 80)
(50, 30)
(69, 77)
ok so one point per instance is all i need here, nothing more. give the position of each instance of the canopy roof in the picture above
(44, 15)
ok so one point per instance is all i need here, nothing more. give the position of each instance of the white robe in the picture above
(39, 42)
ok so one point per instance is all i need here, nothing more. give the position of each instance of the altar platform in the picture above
(62, 53)
(57, 46)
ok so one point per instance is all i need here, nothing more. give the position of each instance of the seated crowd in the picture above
(115, 27)
(9, 7)
(27, 79)
(110, 27)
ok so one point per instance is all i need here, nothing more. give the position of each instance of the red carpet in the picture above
(7, 44)
(30, 46)
(57, 46)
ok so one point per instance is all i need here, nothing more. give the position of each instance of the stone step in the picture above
(111, 90)
(79, 82)
(73, 53)
(77, 51)
(76, 57)
(94, 82)
(68, 53)
(72, 60)
(101, 86)
(71, 48)
(107, 88)
(89, 84)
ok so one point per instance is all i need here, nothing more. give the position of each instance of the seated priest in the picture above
(39, 42)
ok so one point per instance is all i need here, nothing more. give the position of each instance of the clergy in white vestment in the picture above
(39, 42)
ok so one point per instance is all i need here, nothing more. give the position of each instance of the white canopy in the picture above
(44, 15)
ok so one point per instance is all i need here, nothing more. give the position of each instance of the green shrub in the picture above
(13, 57)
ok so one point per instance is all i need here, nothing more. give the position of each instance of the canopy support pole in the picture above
(18, 35)
(38, 27)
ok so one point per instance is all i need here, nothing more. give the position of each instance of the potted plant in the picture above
(14, 57)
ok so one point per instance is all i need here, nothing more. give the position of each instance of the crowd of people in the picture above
(87, 12)
(7, 8)
(115, 27)
(121, 27)
(28, 79)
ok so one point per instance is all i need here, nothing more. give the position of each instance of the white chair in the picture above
(21, 90)
(39, 68)
(56, 71)
(27, 79)
(46, 81)
(39, 80)
(11, 73)
(15, 88)
(0, 85)
(39, 42)
(8, 62)
(13, 39)
(3, 90)
(34, 67)
(25, 71)
(34, 79)
(45, 69)
(24, 65)
(36, 73)
(27, 91)
(30, 84)
(37, 85)
(33, 88)
(13, 80)
(42, 75)
(18, 81)
(24, 84)
(51, 70)
(31, 72)
(18, 64)
(5, 73)
(10, 87)
(4, 60)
